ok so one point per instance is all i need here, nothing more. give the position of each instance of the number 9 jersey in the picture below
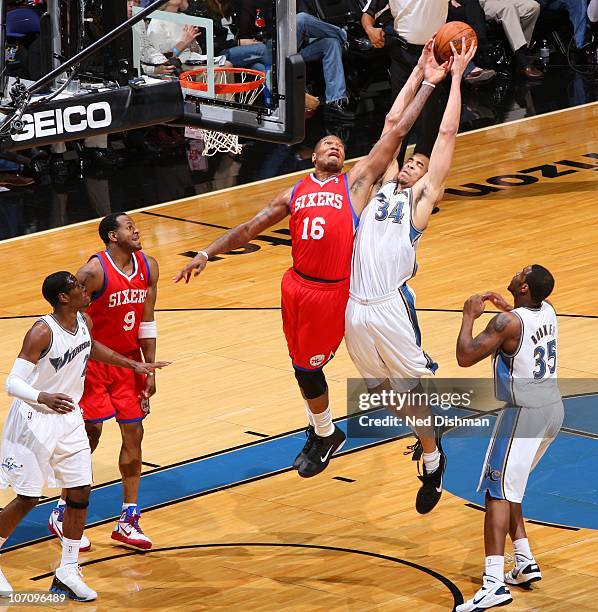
(116, 312)
(117, 309)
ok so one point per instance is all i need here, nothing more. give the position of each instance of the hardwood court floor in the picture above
(232, 376)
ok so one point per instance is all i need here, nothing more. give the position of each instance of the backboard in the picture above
(276, 114)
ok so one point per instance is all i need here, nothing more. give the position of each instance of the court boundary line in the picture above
(451, 586)
(274, 308)
(348, 162)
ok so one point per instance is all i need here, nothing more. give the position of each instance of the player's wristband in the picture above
(176, 51)
(147, 329)
(205, 254)
(430, 84)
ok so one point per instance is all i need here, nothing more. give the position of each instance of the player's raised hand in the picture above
(58, 402)
(195, 266)
(427, 51)
(433, 72)
(474, 306)
(498, 300)
(461, 59)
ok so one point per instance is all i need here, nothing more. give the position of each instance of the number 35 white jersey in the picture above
(61, 369)
(527, 377)
(385, 245)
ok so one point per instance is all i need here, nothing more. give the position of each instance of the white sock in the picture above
(128, 505)
(70, 551)
(323, 423)
(310, 416)
(432, 461)
(523, 552)
(495, 567)
(2, 540)
(61, 502)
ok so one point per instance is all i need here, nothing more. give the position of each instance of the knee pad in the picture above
(312, 382)
(76, 505)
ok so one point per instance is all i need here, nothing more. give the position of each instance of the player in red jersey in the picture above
(123, 282)
(324, 209)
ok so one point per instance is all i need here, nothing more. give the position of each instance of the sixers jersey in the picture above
(322, 227)
(117, 309)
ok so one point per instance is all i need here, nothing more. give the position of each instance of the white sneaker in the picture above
(55, 527)
(5, 588)
(492, 594)
(68, 580)
(524, 574)
(128, 531)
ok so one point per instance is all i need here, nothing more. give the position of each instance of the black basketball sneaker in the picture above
(310, 432)
(431, 489)
(320, 452)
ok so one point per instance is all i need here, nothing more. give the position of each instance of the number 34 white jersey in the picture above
(61, 369)
(385, 245)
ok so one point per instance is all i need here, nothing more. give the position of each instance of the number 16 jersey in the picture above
(116, 310)
(322, 227)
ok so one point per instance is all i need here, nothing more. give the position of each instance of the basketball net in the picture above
(239, 85)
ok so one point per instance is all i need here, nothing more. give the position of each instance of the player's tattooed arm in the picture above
(91, 275)
(503, 330)
(239, 235)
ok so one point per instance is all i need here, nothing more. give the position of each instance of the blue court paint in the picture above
(563, 489)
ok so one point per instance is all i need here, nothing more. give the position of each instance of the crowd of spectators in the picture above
(394, 31)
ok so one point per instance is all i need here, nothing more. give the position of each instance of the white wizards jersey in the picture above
(61, 369)
(385, 245)
(527, 377)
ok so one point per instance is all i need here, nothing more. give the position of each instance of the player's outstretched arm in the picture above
(37, 340)
(367, 171)
(430, 188)
(100, 352)
(408, 90)
(239, 235)
(501, 328)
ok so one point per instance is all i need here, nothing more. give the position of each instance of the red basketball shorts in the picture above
(112, 391)
(313, 319)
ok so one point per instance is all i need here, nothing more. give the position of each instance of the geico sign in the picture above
(65, 121)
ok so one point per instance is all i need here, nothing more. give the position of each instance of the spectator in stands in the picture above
(470, 12)
(319, 40)
(243, 50)
(577, 10)
(173, 39)
(378, 24)
(518, 18)
(153, 63)
(414, 22)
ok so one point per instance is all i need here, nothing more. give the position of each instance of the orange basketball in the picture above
(453, 31)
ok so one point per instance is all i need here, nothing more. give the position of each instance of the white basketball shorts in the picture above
(384, 341)
(519, 440)
(44, 448)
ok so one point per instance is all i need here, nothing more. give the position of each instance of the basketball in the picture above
(452, 32)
